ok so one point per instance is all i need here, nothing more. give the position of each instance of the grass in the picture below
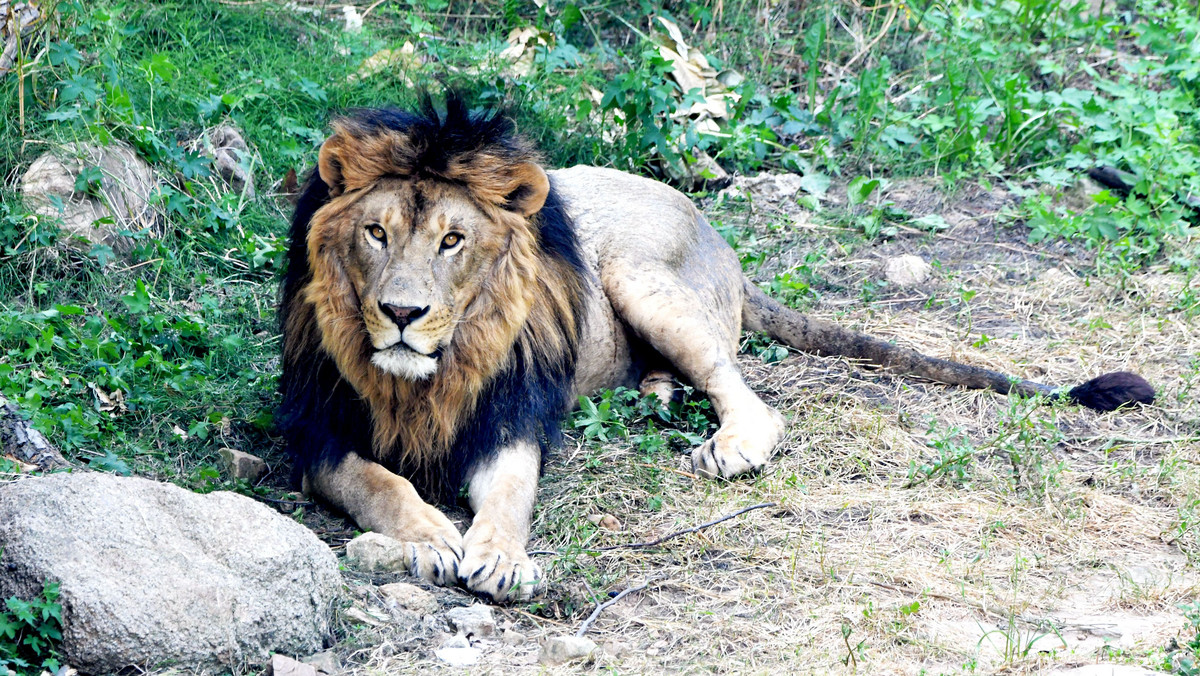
(919, 528)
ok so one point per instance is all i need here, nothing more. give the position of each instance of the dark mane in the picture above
(323, 417)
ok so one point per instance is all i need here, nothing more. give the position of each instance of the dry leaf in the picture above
(179, 433)
(605, 521)
(112, 403)
(371, 617)
(522, 44)
(22, 466)
(403, 59)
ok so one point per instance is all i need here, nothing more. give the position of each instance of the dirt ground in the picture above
(1053, 537)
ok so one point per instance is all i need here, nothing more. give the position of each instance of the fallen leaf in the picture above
(22, 466)
(605, 521)
(112, 403)
(372, 618)
(405, 58)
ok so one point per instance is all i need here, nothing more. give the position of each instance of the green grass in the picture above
(1026, 94)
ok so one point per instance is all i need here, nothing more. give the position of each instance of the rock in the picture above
(908, 270)
(511, 637)
(281, 665)
(152, 573)
(765, 186)
(616, 648)
(457, 652)
(19, 22)
(126, 184)
(375, 552)
(243, 465)
(230, 154)
(324, 662)
(563, 649)
(411, 597)
(474, 621)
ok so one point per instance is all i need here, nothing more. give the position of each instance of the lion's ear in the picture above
(528, 189)
(329, 163)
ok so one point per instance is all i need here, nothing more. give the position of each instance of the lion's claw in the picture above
(497, 568)
(738, 449)
(437, 564)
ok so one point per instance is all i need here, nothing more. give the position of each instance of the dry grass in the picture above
(1062, 536)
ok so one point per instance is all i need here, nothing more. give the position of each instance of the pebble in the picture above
(411, 597)
(563, 649)
(282, 665)
(474, 621)
(907, 270)
(375, 552)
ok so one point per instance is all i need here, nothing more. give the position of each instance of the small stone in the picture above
(231, 156)
(375, 552)
(410, 597)
(282, 665)
(324, 662)
(605, 521)
(474, 621)
(242, 465)
(615, 648)
(458, 657)
(908, 270)
(510, 637)
(563, 649)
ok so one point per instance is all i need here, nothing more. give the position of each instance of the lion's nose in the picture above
(402, 315)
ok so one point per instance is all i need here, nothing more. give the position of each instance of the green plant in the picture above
(1027, 438)
(955, 454)
(1186, 658)
(30, 631)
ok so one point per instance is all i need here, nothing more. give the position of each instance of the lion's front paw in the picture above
(496, 566)
(433, 547)
(739, 448)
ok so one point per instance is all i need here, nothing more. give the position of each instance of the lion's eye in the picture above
(376, 230)
(451, 240)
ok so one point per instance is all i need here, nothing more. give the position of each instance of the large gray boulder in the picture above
(123, 201)
(151, 573)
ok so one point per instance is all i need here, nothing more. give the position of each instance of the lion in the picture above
(448, 300)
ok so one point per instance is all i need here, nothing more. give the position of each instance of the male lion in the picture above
(447, 300)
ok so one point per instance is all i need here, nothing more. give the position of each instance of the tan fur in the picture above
(657, 276)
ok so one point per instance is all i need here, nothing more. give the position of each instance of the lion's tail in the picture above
(763, 313)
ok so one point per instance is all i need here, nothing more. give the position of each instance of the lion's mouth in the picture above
(402, 347)
(402, 360)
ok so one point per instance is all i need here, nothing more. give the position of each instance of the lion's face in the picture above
(415, 253)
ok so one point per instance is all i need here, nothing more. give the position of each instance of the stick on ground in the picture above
(587, 624)
(670, 536)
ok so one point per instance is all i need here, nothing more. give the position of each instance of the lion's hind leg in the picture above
(387, 503)
(698, 335)
(662, 384)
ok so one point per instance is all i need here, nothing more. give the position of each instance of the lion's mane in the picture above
(508, 372)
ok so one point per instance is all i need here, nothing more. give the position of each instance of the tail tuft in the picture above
(1112, 391)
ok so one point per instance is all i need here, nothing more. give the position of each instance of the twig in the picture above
(670, 536)
(1000, 245)
(587, 624)
(372, 7)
